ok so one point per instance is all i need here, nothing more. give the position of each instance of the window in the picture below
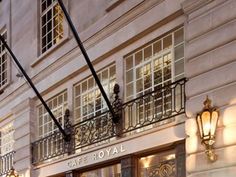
(7, 139)
(158, 165)
(58, 105)
(3, 63)
(150, 69)
(88, 101)
(155, 65)
(110, 171)
(51, 24)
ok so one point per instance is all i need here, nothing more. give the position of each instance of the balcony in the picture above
(142, 113)
(6, 163)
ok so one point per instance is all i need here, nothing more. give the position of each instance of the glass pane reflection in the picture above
(110, 171)
(158, 165)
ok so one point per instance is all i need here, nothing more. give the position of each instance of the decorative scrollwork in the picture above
(164, 169)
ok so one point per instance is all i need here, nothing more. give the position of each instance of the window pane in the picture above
(129, 89)
(179, 36)
(157, 47)
(167, 42)
(179, 52)
(147, 52)
(139, 85)
(110, 171)
(179, 67)
(161, 164)
(129, 76)
(138, 57)
(129, 62)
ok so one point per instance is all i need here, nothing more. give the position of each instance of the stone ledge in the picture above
(191, 5)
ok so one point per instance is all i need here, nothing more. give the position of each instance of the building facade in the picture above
(157, 60)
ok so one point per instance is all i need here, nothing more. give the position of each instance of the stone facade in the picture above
(210, 69)
(110, 30)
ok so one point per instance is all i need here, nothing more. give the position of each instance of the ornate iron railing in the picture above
(49, 147)
(139, 114)
(6, 162)
(156, 106)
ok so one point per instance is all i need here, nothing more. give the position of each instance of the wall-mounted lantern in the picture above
(12, 173)
(207, 121)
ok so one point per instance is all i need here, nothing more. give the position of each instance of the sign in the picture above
(96, 156)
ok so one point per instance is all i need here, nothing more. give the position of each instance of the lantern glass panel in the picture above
(214, 120)
(206, 122)
(199, 122)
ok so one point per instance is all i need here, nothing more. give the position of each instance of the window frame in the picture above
(45, 115)
(8, 69)
(64, 38)
(93, 89)
(9, 134)
(177, 149)
(151, 60)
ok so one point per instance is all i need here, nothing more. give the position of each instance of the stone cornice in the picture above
(121, 22)
(190, 6)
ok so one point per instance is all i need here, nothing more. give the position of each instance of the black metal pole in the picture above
(66, 137)
(77, 38)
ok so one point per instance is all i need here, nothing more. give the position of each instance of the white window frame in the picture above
(46, 126)
(7, 139)
(79, 103)
(7, 62)
(151, 60)
(61, 23)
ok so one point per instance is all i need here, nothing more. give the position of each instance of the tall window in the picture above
(151, 68)
(51, 24)
(3, 63)
(58, 105)
(109, 171)
(88, 101)
(7, 139)
(155, 65)
(158, 165)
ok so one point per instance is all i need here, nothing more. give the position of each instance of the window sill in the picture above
(48, 52)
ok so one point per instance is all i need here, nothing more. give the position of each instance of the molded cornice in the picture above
(192, 5)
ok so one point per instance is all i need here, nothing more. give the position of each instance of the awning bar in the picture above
(66, 136)
(115, 117)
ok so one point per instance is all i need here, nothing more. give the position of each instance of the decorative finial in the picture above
(207, 103)
(116, 89)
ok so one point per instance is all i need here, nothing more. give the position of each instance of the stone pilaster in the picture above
(24, 123)
(210, 65)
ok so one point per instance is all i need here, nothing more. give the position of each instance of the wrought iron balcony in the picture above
(142, 113)
(6, 163)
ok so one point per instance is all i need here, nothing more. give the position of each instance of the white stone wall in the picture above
(210, 67)
(24, 124)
